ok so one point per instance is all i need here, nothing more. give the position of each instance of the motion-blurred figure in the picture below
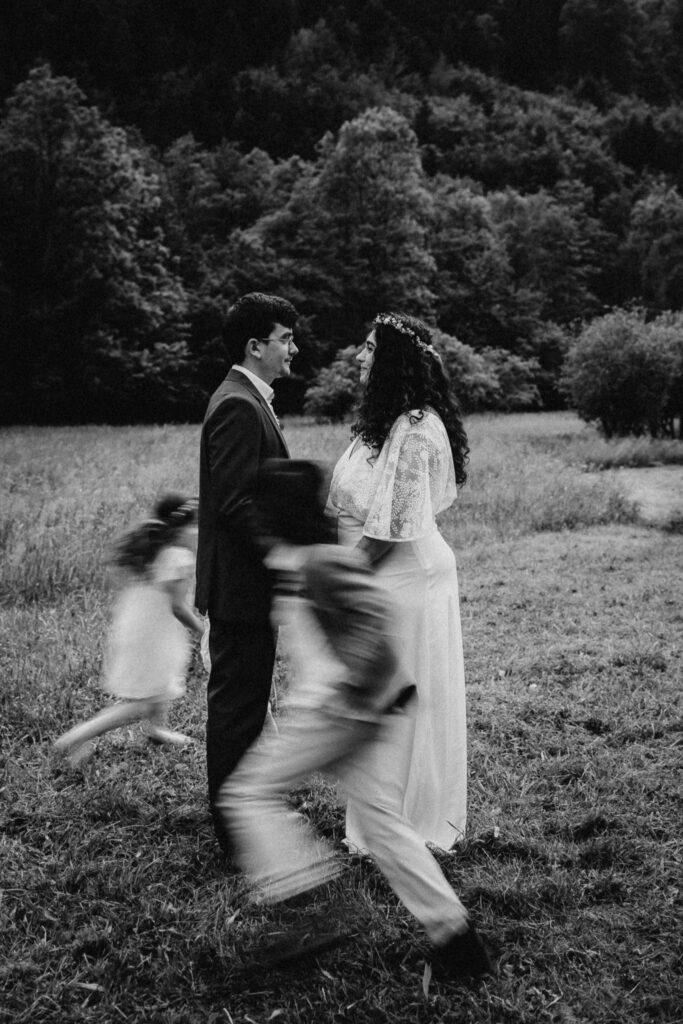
(355, 701)
(148, 648)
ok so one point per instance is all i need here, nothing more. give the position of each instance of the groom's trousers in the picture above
(242, 657)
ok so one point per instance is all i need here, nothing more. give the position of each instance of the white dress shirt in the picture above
(263, 389)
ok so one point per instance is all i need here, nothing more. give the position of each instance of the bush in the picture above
(516, 377)
(334, 390)
(473, 381)
(492, 379)
(622, 371)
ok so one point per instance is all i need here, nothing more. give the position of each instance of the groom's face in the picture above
(277, 352)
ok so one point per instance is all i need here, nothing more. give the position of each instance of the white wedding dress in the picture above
(395, 495)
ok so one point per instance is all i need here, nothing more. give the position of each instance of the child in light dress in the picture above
(148, 648)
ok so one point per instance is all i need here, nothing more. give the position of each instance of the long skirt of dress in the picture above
(422, 579)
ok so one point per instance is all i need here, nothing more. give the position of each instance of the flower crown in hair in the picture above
(393, 321)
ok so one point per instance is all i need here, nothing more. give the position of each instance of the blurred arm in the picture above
(375, 550)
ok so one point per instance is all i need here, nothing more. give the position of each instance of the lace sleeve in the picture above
(415, 479)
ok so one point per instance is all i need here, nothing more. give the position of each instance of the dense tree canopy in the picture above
(90, 297)
(503, 168)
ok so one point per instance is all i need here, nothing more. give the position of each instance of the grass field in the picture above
(116, 903)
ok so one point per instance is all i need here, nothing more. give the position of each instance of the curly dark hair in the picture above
(137, 549)
(253, 316)
(406, 374)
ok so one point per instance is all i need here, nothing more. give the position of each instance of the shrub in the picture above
(516, 376)
(621, 372)
(472, 380)
(492, 379)
(334, 390)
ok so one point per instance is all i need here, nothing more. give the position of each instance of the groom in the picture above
(239, 432)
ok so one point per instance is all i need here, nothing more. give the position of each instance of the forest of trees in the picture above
(509, 170)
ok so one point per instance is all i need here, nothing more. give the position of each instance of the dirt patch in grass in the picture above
(657, 491)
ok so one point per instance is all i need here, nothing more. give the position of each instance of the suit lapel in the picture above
(240, 378)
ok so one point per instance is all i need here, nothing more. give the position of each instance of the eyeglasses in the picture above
(284, 339)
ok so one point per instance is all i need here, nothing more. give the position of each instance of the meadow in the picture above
(117, 904)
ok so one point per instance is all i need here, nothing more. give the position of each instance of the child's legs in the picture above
(158, 731)
(275, 845)
(158, 714)
(108, 719)
(371, 778)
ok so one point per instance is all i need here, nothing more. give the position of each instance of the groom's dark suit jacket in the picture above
(238, 434)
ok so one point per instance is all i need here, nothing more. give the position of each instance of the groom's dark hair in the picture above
(288, 503)
(254, 316)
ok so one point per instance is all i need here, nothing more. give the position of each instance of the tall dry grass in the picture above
(70, 491)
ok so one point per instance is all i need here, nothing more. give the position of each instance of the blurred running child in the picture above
(148, 648)
(351, 707)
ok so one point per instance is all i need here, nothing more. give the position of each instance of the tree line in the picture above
(352, 162)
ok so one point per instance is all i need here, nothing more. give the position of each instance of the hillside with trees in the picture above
(510, 170)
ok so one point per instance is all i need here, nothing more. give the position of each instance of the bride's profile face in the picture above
(366, 356)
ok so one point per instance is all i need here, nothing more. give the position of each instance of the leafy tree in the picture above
(217, 190)
(656, 242)
(621, 372)
(315, 88)
(473, 297)
(633, 134)
(85, 275)
(598, 38)
(516, 212)
(352, 240)
(529, 32)
(553, 248)
(279, 73)
(506, 137)
(374, 208)
(217, 198)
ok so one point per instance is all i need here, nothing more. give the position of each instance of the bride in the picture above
(409, 452)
